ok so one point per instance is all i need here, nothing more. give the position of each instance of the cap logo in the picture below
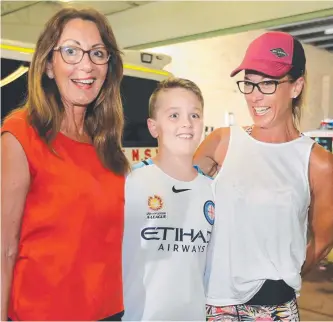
(279, 52)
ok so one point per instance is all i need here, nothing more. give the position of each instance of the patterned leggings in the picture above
(284, 312)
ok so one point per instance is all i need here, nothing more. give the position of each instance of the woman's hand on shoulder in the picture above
(211, 152)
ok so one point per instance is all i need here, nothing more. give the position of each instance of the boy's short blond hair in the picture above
(173, 83)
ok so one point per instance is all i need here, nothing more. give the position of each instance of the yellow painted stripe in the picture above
(146, 69)
(128, 66)
(19, 49)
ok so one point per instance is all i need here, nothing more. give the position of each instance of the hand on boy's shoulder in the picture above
(201, 172)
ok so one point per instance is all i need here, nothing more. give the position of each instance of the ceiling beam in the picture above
(16, 8)
(330, 45)
(316, 38)
(310, 30)
(166, 22)
(301, 23)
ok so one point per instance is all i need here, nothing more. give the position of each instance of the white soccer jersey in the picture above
(168, 224)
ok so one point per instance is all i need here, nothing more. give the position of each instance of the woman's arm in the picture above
(211, 152)
(321, 207)
(15, 180)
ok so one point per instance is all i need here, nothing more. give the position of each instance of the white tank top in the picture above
(262, 197)
(168, 225)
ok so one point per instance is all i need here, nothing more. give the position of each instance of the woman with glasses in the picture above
(272, 184)
(63, 178)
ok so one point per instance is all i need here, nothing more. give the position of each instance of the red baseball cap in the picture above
(273, 54)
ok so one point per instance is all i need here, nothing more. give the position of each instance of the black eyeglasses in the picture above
(265, 87)
(73, 55)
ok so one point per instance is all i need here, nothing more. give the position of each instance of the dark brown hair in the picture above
(298, 102)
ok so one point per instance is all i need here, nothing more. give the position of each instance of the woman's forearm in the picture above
(7, 266)
(315, 252)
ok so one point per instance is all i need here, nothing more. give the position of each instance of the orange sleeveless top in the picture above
(69, 259)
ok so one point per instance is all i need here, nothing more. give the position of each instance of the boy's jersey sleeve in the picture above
(142, 164)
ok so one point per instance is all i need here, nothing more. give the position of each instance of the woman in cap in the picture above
(273, 183)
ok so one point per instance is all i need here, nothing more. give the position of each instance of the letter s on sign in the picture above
(147, 153)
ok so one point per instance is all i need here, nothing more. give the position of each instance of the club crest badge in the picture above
(209, 211)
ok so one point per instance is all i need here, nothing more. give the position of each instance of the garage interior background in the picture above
(206, 40)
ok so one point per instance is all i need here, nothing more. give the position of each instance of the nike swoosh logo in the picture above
(179, 190)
